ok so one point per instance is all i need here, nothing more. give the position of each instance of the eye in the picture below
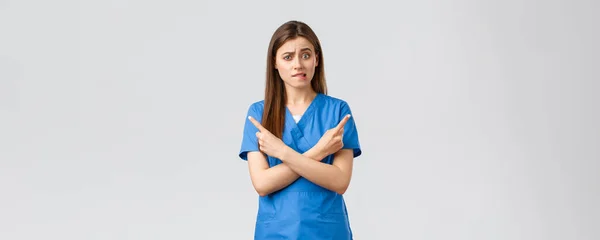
(287, 57)
(306, 56)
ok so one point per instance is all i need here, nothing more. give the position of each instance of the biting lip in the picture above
(299, 75)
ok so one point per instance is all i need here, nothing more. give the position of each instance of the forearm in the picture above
(325, 175)
(280, 176)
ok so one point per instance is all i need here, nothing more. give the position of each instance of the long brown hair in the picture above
(275, 97)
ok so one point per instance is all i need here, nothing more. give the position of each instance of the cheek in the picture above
(310, 63)
(281, 66)
(282, 71)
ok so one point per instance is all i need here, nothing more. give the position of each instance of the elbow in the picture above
(261, 185)
(341, 189)
(262, 193)
(261, 190)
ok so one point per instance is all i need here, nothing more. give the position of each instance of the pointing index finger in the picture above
(256, 123)
(343, 122)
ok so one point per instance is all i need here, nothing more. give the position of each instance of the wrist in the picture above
(285, 152)
(319, 153)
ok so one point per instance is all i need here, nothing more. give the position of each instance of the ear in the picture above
(317, 60)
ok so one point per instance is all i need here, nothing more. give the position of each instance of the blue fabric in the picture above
(303, 210)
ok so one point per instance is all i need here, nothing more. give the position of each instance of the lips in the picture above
(299, 75)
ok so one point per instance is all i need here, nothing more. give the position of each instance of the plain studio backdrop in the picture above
(123, 119)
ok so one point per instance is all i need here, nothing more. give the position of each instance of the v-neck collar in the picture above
(306, 115)
(296, 129)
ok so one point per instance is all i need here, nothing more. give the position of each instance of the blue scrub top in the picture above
(303, 210)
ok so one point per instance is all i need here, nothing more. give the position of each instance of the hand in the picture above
(332, 140)
(267, 142)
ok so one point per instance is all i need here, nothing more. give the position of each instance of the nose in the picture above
(296, 63)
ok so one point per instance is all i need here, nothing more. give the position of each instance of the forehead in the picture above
(296, 44)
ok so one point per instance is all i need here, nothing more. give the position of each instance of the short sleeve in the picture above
(350, 138)
(249, 140)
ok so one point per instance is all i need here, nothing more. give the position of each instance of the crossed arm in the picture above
(335, 177)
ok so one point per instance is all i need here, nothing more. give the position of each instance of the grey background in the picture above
(123, 119)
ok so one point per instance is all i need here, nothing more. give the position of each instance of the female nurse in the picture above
(299, 143)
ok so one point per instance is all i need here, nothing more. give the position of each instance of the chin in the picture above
(299, 84)
(302, 85)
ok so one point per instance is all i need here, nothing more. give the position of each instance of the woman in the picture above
(299, 144)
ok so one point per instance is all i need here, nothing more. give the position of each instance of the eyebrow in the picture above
(301, 50)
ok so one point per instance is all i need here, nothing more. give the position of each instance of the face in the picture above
(295, 61)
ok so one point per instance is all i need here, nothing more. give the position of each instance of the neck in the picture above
(299, 96)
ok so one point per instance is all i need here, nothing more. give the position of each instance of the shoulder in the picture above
(255, 109)
(333, 101)
(257, 106)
